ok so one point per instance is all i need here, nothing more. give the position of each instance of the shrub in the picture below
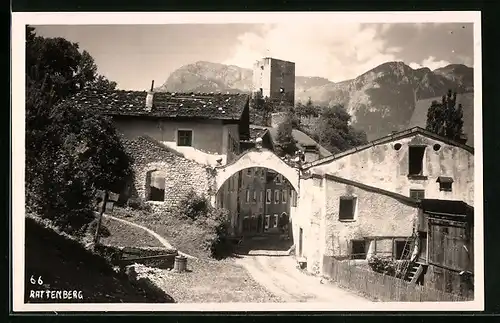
(137, 203)
(387, 266)
(216, 241)
(194, 206)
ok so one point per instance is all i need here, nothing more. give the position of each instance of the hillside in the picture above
(65, 265)
(380, 100)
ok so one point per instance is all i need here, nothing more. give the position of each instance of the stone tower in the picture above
(275, 78)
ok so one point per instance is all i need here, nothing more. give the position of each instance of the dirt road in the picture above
(281, 277)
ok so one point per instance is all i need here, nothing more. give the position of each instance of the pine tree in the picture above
(285, 143)
(445, 119)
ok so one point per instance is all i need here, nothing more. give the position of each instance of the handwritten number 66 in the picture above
(33, 281)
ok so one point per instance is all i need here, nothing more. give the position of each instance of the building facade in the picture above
(275, 79)
(415, 163)
(203, 129)
(366, 201)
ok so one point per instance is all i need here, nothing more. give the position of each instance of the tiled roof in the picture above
(168, 105)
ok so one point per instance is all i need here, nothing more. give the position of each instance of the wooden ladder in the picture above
(406, 255)
(414, 272)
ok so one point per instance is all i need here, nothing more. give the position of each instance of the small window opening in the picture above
(417, 194)
(416, 160)
(156, 186)
(358, 249)
(276, 197)
(346, 208)
(436, 147)
(397, 146)
(268, 196)
(184, 138)
(267, 223)
(399, 246)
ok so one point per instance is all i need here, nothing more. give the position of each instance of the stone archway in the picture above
(263, 158)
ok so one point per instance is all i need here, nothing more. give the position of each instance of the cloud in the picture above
(334, 51)
(431, 63)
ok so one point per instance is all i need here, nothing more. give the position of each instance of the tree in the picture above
(70, 152)
(285, 143)
(334, 132)
(261, 109)
(445, 119)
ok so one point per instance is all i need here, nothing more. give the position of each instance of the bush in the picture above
(387, 266)
(216, 241)
(194, 206)
(137, 203)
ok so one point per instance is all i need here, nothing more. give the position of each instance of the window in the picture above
(346, 208)
(276, 196)
(261, 198)
(249, 172)
(254, 200)
(268, 219)
(155, 183)
(248, 196)
(417, 194)
(416, 161)
(269, 197)
(184, 138)
(283, 196)
(399, 247)
(358, 249)
(279, 179)
(445, 183)
(275, 221)
(294, 198)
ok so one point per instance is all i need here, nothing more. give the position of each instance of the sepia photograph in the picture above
(247, 162)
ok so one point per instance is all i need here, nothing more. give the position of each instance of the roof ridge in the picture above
(390, 137)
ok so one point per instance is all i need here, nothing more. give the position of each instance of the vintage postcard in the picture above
(247, 161)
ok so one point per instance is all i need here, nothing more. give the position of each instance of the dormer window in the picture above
(445, 183)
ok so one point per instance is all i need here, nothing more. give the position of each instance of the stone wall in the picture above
(181, 174)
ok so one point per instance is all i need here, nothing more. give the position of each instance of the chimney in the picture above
(149, 98)
(311, 153)
(277, 118)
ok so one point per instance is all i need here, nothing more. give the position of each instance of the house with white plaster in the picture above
(366, 200)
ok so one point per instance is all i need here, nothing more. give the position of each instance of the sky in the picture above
(134, 55)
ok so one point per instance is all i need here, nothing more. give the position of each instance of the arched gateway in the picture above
(258, 157)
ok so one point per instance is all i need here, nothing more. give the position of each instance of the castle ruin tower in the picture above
(274, 78)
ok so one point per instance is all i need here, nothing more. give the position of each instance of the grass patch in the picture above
(184, 234)
(125, 235)
(215, 281)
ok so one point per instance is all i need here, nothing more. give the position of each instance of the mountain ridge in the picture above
(380, 100)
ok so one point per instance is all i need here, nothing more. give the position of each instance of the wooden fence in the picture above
(382, 287)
